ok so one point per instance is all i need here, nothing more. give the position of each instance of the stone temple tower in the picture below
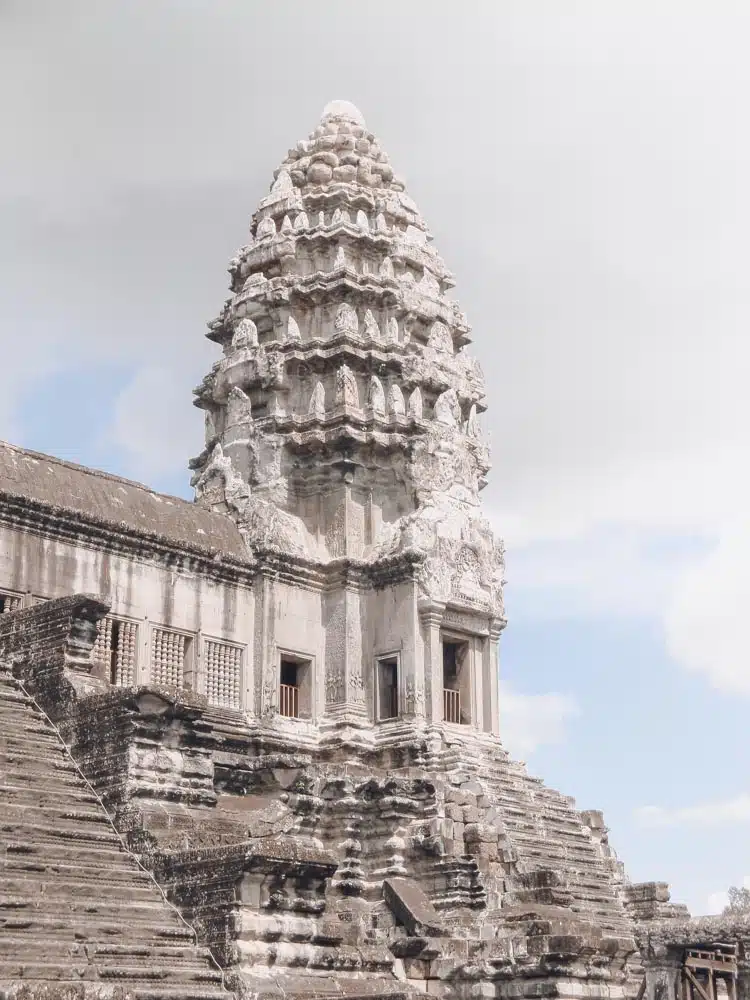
(342, 435)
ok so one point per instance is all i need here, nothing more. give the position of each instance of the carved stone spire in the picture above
(340, 296)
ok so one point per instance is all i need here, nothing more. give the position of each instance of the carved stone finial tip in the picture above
(343, 109)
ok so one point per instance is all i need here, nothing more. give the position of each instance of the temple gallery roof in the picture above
(97, 496)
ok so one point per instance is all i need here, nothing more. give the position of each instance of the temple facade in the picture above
(284, 695)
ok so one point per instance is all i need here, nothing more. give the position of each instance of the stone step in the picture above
(20, 793)
(86, 907)
(53, 813)
(67, 832)
(124, 953)
(71, 852)
(163, 926)
(42, 779)
(199, 973)
(41, 744)
(77, 890)
(18, 714)
(199, 976)
(42, 867)
(26, 761)
(180, 993)
(20, 945)
(11, 694)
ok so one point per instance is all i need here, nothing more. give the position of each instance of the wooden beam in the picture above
(697, 985)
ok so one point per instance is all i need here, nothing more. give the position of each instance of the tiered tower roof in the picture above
(342, 419)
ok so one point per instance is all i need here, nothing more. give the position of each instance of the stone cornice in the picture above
(18, 511)
(352, 573)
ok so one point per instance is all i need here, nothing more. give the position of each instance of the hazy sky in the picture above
(583, 167)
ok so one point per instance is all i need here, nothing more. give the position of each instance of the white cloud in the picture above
(705, 620)
(153, 425)
(528, 721)
(705, 815)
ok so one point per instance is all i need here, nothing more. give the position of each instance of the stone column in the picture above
(265, 666)
(344, 684)
(431, 617)
(491, 671)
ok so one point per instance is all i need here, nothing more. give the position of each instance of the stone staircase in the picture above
(547, 833)
(75, 908)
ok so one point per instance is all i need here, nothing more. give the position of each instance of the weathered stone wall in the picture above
(153, 592)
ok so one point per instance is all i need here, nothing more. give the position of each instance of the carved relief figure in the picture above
(245, 335)
(376, 396)
(317, 407)
(346, 320)
(415, 403)
(440, 338)
(346, 387)
(396, 404)
(239, 409)
(292, 329)
(372, 330)
(447, 410)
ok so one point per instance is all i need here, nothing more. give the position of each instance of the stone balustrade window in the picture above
(171, 652)
(295, 686)
(116, 646)
(456, 680)
(10, 601)
(223, 665)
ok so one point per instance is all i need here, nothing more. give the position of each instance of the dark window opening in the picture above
(387, 685)
(289, 673)
(454, 681)
(295, 687)
(289, 689)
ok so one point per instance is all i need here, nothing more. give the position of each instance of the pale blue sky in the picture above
(583, 168)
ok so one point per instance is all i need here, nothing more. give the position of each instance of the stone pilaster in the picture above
(344, 682)
(431, 617)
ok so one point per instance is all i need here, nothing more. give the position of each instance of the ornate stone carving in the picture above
(440, 338)
(219, 482)
(396, 401)
(346, 320)
(317, 406)
(346, 387)
(423, 474)
(245, 335)
(372, 330)
(415, 403)
(266, 228)
(376, 396)
(415, 699)
(239, 409)
(447, 410)
(429, 285)
(386, 268)
(283, 184)
(292, 329)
